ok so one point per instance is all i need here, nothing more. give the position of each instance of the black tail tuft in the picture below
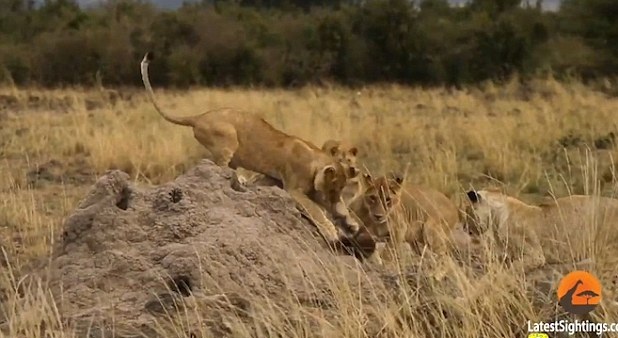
(149, 56)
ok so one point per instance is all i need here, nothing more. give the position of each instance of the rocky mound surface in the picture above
(197, 258)
(129, 256)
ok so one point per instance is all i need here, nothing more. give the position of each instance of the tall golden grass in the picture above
(537, 140)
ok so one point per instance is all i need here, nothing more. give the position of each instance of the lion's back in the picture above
(576, 224)
(431, 203)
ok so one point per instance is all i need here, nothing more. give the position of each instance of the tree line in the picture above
(297, 42)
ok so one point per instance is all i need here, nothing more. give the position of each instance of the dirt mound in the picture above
(196, 258)
(130, 255)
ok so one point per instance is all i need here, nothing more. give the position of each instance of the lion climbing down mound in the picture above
(125, 246)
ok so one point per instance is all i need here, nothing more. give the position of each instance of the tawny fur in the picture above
(347, 154)
(343, 152)
(404, 212)
(530, 236)
(238, 139)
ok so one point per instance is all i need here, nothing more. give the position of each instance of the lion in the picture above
(400, 212)
(344, 153)
(564, 230)
(236, 139)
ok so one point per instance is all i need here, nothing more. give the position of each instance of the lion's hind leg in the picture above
(221, 141)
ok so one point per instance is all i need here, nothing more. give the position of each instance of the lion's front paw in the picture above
(238, 182)
(353, 227)
(376, 259)
(349, 225)
(362, 246)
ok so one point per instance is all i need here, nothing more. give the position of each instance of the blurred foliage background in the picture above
(272, 43)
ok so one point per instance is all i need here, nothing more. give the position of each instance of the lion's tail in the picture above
(183, 121)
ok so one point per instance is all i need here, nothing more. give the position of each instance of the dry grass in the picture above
(543, 139)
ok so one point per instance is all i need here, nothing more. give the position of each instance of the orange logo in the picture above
(579, 292)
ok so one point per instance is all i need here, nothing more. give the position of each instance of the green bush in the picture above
(286, 43)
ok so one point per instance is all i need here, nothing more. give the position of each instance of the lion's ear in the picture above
(330, 172)
(324, 177)
(331, 147)
(331, 150)
(395, 182)
(399, 179)
(473, 196)
(353, 151)
(396, 178)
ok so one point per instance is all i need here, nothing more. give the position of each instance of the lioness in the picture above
(402, 212)
(343, 152)
(237, 139)
(564, 230)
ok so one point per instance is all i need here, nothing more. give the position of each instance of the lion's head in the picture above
(484, 209)
(379, 198)
(346, 154)
(329, 182)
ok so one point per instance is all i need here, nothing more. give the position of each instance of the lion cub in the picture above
(402, 212)
(346, 154)
(237, 139)
(343, 151)
(564, 230)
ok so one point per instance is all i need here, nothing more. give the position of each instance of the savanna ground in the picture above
(536, 140)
